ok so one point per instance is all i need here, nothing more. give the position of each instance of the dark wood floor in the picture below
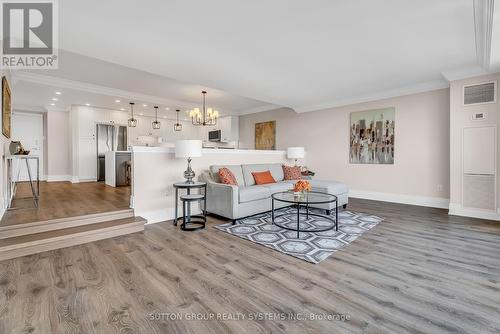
(65, 199)
(419, 271)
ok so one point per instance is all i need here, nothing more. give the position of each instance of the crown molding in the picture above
(464, 73)
(24, 107)
(391, 93)
(97, 89)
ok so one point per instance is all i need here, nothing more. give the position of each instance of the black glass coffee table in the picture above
(303, 201)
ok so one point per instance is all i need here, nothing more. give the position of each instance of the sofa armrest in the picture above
(222, 199)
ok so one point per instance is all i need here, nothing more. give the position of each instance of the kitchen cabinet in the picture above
(229, 126)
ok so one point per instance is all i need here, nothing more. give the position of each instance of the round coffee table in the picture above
(310, 198)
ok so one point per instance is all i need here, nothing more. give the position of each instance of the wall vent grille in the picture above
(480, 93)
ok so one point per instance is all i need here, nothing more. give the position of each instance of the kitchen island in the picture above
(155, 170)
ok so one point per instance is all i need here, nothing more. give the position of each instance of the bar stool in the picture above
(193, 222)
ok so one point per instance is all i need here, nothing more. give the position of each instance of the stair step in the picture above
(61, 238)
(14, 230)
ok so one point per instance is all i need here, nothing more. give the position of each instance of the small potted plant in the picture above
(301, 188)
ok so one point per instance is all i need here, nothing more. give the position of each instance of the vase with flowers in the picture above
(301, 188)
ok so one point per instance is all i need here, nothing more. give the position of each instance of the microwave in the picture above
(214, 135)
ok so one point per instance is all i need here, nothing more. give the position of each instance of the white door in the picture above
(28, 129)
(88, 159)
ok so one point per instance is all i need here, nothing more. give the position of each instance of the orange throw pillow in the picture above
(291, 173)
(227, 177)
(263, 177)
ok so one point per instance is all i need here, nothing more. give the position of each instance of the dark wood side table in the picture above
(189, 187)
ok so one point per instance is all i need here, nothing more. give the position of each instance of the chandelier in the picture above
(156, 124)
(177, 125)
(205, 117)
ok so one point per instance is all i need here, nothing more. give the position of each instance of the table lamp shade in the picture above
(295, 152)
(188, 148)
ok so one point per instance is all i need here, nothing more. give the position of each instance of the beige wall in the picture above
(420, 174)
(58, 146)
(460, 117)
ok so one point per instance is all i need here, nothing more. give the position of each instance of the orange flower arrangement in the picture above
(302, 186)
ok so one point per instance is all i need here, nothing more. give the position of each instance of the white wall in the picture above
(58, 146)
(420, 174)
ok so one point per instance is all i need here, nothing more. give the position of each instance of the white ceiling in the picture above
(257, 55)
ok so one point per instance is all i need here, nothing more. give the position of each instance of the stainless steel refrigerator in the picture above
(109, 138)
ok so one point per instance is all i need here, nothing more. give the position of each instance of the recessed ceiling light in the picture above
(52, 104)
(54, 99)
(117, 101)
(87, 104)
(122, 109)
(141, 114)
(58, 93)
(167, 108)
(164, 116)
(144, 105)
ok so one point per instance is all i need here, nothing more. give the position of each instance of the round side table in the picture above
(189, 187)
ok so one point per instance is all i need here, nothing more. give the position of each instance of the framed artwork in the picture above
(6, 108)
(265, 135)
(372, 136)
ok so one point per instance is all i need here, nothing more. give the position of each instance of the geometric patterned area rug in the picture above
(312, 247)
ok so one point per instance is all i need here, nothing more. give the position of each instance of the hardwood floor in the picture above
(65, 199)
(419, 271)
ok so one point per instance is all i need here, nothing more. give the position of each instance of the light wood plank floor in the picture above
(65, 199)
(419, 271)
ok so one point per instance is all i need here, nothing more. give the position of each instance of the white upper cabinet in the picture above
(230, 128)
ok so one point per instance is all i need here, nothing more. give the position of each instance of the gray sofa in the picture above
(247, 198)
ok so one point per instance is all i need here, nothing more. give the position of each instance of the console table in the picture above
(12, 183)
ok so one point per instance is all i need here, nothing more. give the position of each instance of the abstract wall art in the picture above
(372, 136)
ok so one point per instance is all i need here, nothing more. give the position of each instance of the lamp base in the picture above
(189, 173)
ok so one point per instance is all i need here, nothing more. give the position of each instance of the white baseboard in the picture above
(74, 179)
(58, 178)
(433, 202)
(456, 209)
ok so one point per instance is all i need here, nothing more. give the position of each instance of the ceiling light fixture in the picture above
(144, 105)
(117, 101)
(122, 109)
(52, 104)
(87, 104)
(58, 93)
(132, 122)
(206, 117)
(54, 99)
(167, 108)
(177, 125)
(156, 124)
(141, 114)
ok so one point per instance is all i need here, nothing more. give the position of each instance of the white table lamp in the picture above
(188, 149)
(295, 153)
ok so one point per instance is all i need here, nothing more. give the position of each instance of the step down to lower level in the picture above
(45, 241)
(14, 230)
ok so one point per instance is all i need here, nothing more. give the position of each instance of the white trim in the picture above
(207, 151)
(58, 178)
(483, 28)
(267, 107)
(495, 85)
(75, 179)
(391, 93)
(455, 209)
(433, 202)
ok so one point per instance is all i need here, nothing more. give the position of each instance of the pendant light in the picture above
(177, 125)
(132, 122)
(156, 124)
(205, 117)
